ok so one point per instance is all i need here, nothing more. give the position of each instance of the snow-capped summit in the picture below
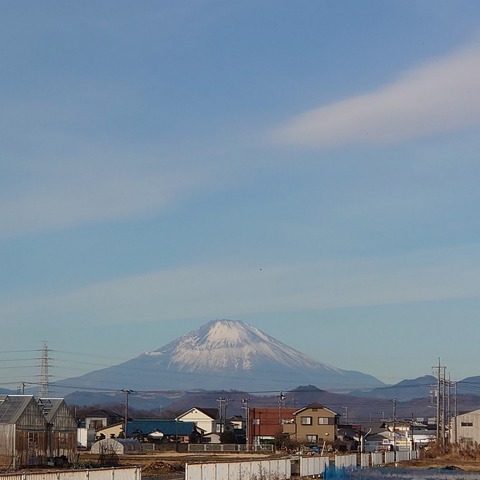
(225, 355)
(232, 344)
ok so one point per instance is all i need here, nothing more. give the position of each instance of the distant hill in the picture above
(222, 355)
(469, 386)
(351, 408)
(4, 391)
(405, 390)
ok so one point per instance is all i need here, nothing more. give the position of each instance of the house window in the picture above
(306, 420)
(312, 438)
(96, 424)
(256, 421)
(322, 420)
(467, 424)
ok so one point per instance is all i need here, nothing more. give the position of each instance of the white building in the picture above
(204, 418)
(465, 428)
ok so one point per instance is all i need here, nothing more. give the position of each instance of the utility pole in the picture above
(448, 411)
(281, 405)
(222, 410)
(247, 421)
(394, 415)
(444, 408)
(127, 392)
(455, 411)
(346, 415)
(440, 403)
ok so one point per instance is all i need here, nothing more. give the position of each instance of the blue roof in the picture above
(167, 427)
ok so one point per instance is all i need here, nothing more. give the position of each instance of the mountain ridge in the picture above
(222, 355)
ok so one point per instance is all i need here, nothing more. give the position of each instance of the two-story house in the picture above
(313, 424)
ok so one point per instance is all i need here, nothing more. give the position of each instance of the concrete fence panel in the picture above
(364, 460)
(208, 471)
(259, 470)
(402, 456)
(313, 466)
(227, 470)
(248, 469)
(346, 461)
(389, 457)
(281, 467)
(128, 473)
(377, 458)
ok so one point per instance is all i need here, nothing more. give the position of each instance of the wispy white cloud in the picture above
(215, 291)
(438, 97)
(55, 194)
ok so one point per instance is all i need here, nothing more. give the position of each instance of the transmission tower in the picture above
(44, 389)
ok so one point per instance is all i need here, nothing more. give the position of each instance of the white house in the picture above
(204, 418)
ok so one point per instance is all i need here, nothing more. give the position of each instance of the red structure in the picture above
(266, 423)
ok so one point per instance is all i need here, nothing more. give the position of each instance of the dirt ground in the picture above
(172, 464)
(447, 462)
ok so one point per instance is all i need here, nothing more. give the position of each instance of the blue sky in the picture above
(308, 167)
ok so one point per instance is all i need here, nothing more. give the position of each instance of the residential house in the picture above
(115, 430)
(154, 430)
(212, 437)
(101, 418)
(94, 420)
(23, 431)
(265, 424)
(374, 436)
(62, 430)
(206, 419)
(313, 424)
(237, 422)
(421, 434)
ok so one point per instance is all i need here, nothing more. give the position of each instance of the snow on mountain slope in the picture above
(232, 344)
(224, 355)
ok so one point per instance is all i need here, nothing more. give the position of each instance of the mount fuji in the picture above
(223, 355)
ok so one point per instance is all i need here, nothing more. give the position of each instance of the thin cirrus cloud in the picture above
(438, 97)
(64, 196)
(217, 291)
